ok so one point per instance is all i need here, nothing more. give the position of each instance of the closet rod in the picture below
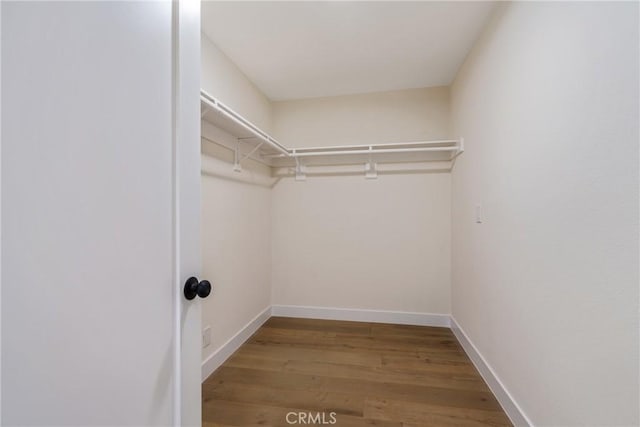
(236, 118)
(374, 146)
(347, 152)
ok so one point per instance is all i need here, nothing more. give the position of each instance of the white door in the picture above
(99, 220)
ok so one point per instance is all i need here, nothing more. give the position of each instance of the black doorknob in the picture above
(192, 288)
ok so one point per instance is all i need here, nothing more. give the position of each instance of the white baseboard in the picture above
(360, 315)
(218, 357)
(513, 410)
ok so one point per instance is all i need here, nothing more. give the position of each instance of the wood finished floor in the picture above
(367, 373)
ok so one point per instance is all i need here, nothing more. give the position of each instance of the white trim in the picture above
(175, 216)
(508, 403)
(218, 357)
(361, 315)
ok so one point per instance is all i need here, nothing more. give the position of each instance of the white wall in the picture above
(370, 118)
(546, 287)
(236, 217)
(236, 253)
(348, 242)
(222, 79)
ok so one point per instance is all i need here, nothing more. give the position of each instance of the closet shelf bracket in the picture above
(460, 148)
(371, 168)
(300, 170)
(237, 167)
(250, 153)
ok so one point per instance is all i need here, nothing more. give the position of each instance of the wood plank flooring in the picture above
(349, 374)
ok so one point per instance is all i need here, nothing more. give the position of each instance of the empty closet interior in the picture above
(339, 184)
(363, 226)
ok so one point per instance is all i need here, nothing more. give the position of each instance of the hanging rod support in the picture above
(300, 171)
(236, 158)
(370, 168)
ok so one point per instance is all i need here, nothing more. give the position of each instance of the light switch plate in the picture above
(206, 336)
(478, 214)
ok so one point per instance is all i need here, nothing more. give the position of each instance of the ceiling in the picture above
(293, 50)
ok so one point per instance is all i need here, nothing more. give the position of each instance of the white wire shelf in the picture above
(268, 150)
